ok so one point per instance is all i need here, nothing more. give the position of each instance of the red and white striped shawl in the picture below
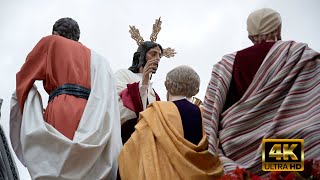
(283, 101)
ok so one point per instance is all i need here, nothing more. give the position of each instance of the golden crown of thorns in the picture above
(135, 34)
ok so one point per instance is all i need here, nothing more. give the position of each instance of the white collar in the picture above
(176, 98)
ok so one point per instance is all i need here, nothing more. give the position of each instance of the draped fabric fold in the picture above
(92, 154)
(283, 101)
(158, 150)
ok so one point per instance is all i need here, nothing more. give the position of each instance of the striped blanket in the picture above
(283, 101)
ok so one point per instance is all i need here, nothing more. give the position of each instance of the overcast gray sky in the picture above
(200, 31)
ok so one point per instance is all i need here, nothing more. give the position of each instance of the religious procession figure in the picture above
(78, 134)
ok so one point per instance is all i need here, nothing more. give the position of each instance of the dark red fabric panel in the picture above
(157, 96)
(132, 100)
(246, 64)
(126, 99)
(133, 90)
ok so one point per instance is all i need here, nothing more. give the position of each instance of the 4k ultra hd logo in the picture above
(282, 154)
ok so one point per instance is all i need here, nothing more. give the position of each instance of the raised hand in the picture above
(150, 67)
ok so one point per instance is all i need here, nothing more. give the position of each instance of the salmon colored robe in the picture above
(56, 61)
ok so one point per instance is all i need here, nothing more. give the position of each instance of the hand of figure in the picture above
(150, 67)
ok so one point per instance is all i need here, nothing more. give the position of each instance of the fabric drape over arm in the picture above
(282, 102)
(215, 98)
(157, 149)
(92, 154)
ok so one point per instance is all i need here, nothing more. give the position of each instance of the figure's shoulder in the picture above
(163, 105)
(227, 59)
(55, 40)
(297, 46)
(291, 43)
(45, 40)
(123, 72)
(52, 38)
(44, 43)
(229, 56)
(123, 76)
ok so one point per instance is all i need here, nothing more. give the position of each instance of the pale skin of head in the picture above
(153, 57)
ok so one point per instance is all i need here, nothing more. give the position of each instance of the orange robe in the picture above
(158, 150)
(56, 61)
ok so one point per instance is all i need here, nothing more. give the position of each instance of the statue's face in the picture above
(154, 53)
